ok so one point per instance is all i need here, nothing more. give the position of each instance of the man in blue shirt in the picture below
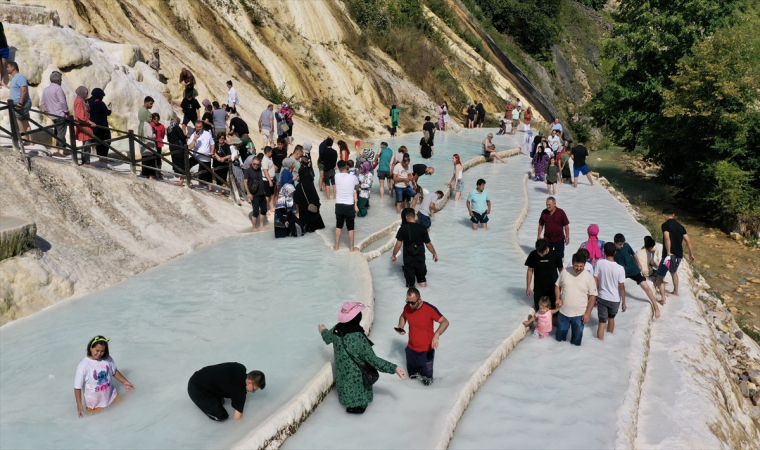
(20, 96)
(383, 161)
(557, 126)
(479, 205)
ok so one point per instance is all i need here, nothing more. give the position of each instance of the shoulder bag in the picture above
(414, 249)
(370, 375)
(312, 207)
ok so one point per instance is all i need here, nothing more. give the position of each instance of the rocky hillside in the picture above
(312, 53)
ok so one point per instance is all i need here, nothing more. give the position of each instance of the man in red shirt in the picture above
(423, 340)
(557, 232)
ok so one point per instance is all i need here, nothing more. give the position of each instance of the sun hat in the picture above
(236, 141)
(349, 310)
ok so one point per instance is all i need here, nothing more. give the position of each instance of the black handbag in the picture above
(414, 249)
(370, 375)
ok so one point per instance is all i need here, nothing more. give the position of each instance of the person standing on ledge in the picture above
(673, 235)
(423, 340)
(415, 238)
(479, 205)
(209, 387)
(579, 155)
(557, 232)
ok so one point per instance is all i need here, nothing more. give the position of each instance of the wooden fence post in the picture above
(16, 138)
(73, 140)
(132, 162)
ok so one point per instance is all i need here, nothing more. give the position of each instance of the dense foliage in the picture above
(534, 24)
(683, 84)
(401, 30)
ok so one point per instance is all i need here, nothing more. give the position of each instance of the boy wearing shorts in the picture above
(610, 281)
(627, 259)
(579, 155)
(673, 235)
(479, 205)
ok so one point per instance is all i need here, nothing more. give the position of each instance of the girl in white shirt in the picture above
(95, 374)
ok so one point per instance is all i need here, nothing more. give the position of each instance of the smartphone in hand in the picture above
(399, 330)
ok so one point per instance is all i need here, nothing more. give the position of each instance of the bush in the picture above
(326, 113)
(278, 96)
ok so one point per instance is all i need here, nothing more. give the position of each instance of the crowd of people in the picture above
(565, 297)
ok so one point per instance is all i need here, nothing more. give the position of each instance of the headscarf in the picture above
(82, 92)
(173, 122)
(206, 102)
(288, 163)
(367, 167)
(352, 326)
(98, 94)
(307, 148)
(285, 199)
(592, 245)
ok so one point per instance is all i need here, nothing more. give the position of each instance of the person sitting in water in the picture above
(489, 150)
(95, 374)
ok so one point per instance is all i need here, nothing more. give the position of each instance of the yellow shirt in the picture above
(576, 288)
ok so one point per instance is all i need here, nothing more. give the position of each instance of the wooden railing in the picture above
(147, 147)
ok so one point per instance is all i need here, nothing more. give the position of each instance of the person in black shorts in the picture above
(673, 235)
(255, 183)
(329, 160)
(209, 387)
(190, 109)
(415, 238)
(626, 257)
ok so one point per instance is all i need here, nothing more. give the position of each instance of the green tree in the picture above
(711, 151)
(533, 24)
(648, 39)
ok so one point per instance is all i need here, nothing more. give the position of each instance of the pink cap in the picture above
(349, 310)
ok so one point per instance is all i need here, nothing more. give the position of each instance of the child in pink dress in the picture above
(543, 318)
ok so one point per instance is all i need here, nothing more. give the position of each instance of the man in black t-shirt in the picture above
(254, 181)
(415, 238)
(329, 160)
(209, 387)
(428, 131)
(673, 235)
(238, 126)
(419, 170)
(544, 267)
(190, 110)
(579, 154)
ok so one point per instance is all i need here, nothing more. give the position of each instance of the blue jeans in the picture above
(400, 191)
(564, 324)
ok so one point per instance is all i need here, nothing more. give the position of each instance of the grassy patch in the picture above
(748, 329)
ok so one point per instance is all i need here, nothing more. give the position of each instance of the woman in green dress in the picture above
(351, 348)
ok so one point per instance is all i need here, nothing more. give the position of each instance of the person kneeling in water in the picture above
(209, 387)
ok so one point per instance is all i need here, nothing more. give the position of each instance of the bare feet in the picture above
(354, 249)
(178, 183)
(657, 313)
(336, 248)
(674, 293)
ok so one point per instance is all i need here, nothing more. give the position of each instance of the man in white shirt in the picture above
(232, 98)
(575, 291)
(268, 171)
(402, 179)
(554, 141)
(610, 279)
(266, 125)
(202, 144)
(346, 204)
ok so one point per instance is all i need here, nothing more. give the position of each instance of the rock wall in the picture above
(16, 236)
(295, 45)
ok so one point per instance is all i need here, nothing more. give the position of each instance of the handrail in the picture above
(146, 144)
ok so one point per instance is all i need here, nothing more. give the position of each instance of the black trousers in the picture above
(209, 404)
